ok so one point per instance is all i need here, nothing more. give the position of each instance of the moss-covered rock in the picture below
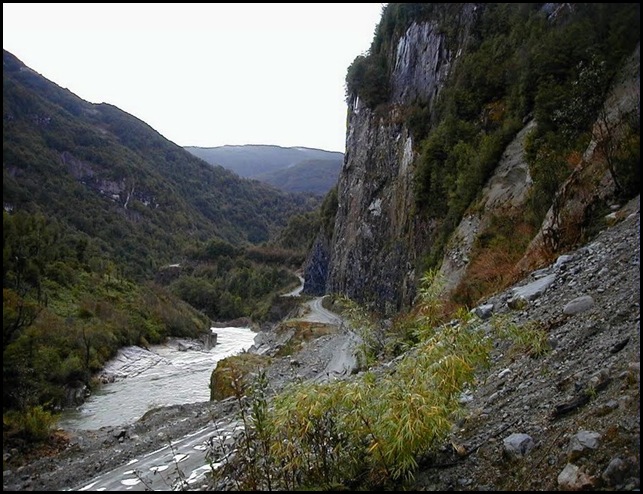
(230, 376)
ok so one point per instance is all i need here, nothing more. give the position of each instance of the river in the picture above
(161, 376)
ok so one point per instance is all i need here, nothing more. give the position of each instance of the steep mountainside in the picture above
(295, 169)
(483, 116)
(115, 236)
(111, 177)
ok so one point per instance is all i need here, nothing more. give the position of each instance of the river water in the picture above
(161, 377)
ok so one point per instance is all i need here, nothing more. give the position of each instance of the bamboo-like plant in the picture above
(369, 431)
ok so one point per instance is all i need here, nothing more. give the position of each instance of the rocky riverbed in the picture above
(565, 420)
(84, 455)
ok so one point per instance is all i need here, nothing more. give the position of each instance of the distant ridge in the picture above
(291, 169)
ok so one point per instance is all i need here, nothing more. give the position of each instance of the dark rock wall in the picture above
(372, 255)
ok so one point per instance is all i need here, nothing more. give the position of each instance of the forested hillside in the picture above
(97, 206)
(113, 178)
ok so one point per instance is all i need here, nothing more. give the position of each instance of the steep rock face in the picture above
(316, 270)
(380, 242)
(422, 62)
(371, 259)
(373, 252)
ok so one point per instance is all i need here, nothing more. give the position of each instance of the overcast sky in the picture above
(203, 74)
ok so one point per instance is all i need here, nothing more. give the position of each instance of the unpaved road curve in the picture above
(319, 314)
(342, 347)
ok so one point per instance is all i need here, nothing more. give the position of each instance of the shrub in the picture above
(373, 428)
(33, 424)
(234, 371)
(530, 338)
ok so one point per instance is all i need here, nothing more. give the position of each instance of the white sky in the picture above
(203, 74)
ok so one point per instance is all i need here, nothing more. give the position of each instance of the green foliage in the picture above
(33, 424)
(328, 211)
(368, 432)
(429, 305)
(529, 338)
(371, 335)
(299, 233)
(62, 321)
(517, 64)
(233, 375)
(108, 176)
(618, 142)
(224, 288)
(367, 77)
(95, 202)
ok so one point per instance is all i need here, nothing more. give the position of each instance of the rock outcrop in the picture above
(377, 251)
(373, 252)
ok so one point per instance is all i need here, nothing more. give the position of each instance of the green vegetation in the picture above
(530, 338)
(299, 233)
(98, 210)
(328, 212)
(111, 177)
(33, 424)
(370, 431)
(372, 336)
(233, 375)
(367, 432)
(65, 313)
(517, 63)
(226, 283)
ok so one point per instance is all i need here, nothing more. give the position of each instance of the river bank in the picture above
(139, 379)
(84, 455)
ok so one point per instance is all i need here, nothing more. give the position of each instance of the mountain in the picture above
(294, 169)
(110, 176)
(317, 176)
(115, 236)
(482, 140)
(487, 222)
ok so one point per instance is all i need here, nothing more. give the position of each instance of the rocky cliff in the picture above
(378, 248)
(376, 239)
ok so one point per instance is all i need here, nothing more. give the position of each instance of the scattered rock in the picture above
(484, 311)
(518, 445)
(581, 442)
(573, 478)
(616, 472)
(578, 305)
